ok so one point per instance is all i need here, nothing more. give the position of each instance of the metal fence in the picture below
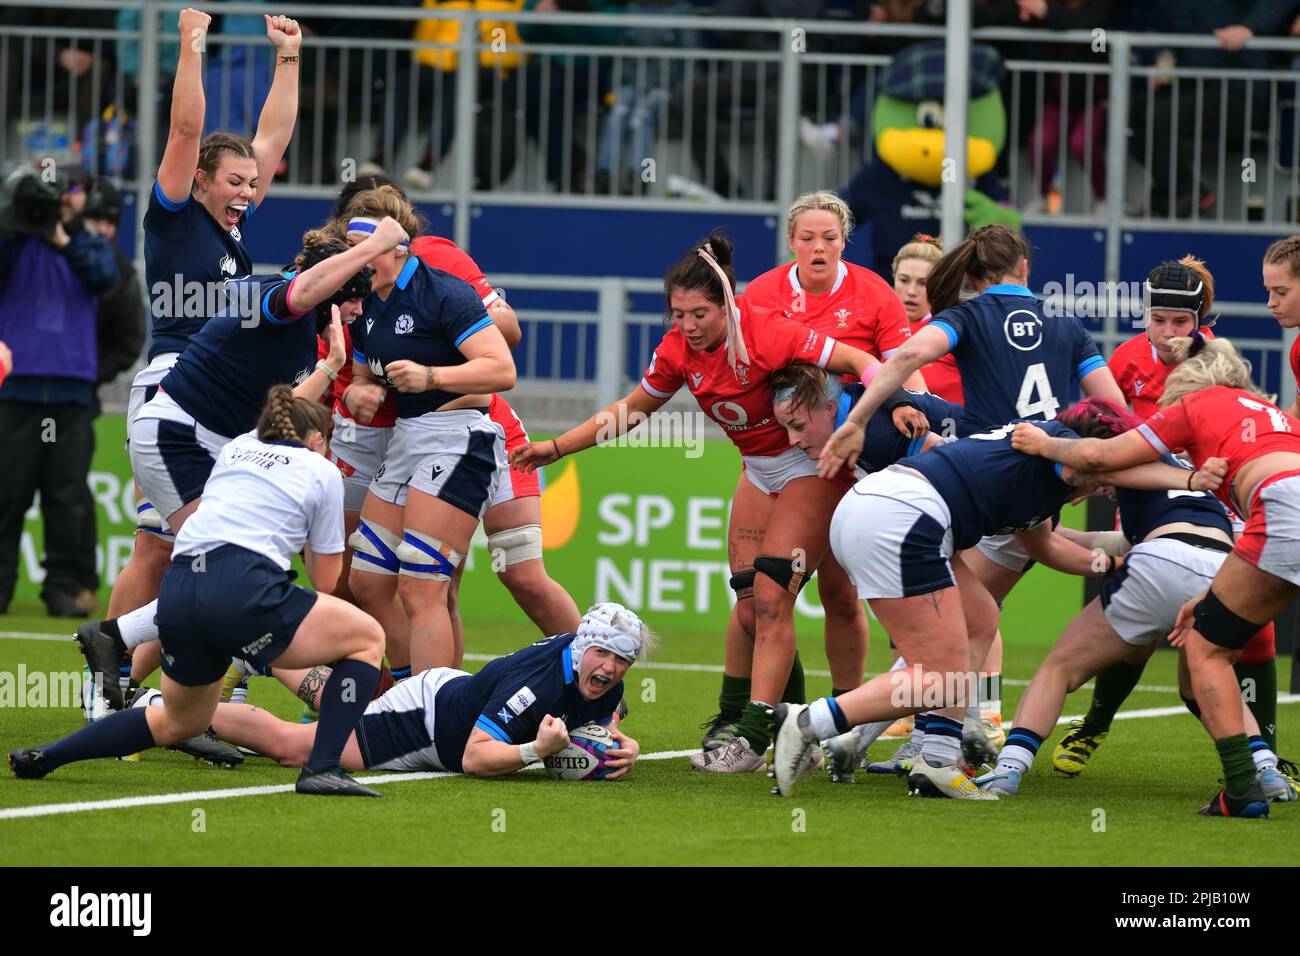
(634, 111)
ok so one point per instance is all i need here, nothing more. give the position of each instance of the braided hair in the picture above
(285, 417)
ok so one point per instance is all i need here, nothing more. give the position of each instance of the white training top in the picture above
(268, 497)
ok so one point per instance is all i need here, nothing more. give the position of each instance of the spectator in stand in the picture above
(642, 92)
(52, 271)
(560, 89)
(1173, 121)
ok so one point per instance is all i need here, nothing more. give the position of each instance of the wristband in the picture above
(288, 59)
(1189, 480)
(323, 366)
(556, 445)
(870, 372)
(528, 753)
(898, 399)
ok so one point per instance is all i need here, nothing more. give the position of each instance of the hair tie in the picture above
(1198, 343)
(736, 349)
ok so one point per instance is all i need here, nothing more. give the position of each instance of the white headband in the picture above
(363, 227)
(736, 350)
(611, 626)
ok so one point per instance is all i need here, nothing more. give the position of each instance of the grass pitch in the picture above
(1135, 805)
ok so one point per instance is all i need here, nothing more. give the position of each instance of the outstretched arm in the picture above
(181, 157)
(609, 423)
(280, 111)
(1085, 454)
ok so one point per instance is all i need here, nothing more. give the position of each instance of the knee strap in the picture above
(374, 549)
(424, 557)
(782, 571)
(148, 518)
(515, 545)
(1221, 626)
(743, 584)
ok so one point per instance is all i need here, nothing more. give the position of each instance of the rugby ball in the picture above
(584, 758)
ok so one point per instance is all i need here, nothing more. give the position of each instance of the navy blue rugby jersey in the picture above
(885, 444)
(508, 698)
(188, 257)
(224, 373)
(1015, 363)
(1141, 512)
(991, 488)
(429, 313)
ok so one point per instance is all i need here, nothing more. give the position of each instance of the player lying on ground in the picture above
(1180, 539)
(899, 534)
(1212, 408)
(228, 592)
(515, 711)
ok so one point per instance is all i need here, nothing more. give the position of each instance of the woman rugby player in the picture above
(513, 518)
(724, 353)
(228, 592)
(1178, 297)
(912, 266)
(1180, 540)
(1282, 282)
(1211, 408)
(899, 534)
(445, 719)
(854, 305)
(267, 335)
(206, 190)
(427, 335)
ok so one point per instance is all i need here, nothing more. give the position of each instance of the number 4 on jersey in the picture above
(1036, 383)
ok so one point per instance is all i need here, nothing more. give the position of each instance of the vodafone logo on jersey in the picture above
(1023, 329)
(728, 414)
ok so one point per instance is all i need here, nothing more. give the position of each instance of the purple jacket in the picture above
(49, 304)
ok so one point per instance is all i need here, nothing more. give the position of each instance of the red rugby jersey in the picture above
(1140, 374)
(860, 309)
(1295, 366)
(1222, 422)
(436, 253)
(941, 376)
(739, 400)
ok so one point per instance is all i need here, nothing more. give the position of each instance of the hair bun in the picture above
(720, 247)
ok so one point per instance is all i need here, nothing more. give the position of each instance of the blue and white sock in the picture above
(942, 744)
(826, 718)
(918, 727)
(1264, 757)
(1020, 750)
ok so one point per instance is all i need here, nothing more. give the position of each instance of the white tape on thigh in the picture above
(374, 549)
(148, 518)
(515, 545)
(423, 556)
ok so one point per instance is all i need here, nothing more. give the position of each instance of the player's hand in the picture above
(284, 33)
(363, 400)
(840, 449)
(410, 377)
(388, 235)
(552, 736)
(338, 354)
(910, 421)
(193, 25)
(6, 358)
(1029, 439)
(622, 758)
(1210, 475)
(1183, 624)
(533, 455)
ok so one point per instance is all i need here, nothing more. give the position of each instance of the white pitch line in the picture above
(648, 665)
(196, 796)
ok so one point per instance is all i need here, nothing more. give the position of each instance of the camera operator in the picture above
(52, 271)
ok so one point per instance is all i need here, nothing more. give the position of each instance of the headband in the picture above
(363, 227)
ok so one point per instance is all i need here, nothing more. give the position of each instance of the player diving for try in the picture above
(515, 711)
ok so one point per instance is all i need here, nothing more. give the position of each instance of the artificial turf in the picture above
(1135, 804)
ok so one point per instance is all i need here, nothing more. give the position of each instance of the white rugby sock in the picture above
(1014, 757)
(137, 627)
(1264, 759)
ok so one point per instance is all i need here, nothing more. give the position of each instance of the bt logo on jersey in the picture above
(1023, 329)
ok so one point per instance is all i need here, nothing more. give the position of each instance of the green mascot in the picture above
(898, 192)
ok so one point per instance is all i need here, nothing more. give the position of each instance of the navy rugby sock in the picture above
(346, 695)
(118, 734)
